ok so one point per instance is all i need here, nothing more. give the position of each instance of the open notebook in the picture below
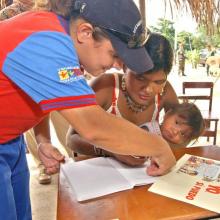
(101, 176)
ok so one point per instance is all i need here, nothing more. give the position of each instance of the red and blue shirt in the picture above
(39, 72)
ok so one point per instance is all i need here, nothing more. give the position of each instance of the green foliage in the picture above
(205, 39)
(186, 39)
(198, 43)
(193, 57)
(166, 28)
(192, 41)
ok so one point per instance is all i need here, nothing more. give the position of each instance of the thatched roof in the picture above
(205, 12)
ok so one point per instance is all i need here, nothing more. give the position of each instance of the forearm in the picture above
(120, 137)
(115, 134)
(42, 131)
(48, 154)
(79, 145)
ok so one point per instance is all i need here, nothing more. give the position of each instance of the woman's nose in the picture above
(149, 88)
(176, 130)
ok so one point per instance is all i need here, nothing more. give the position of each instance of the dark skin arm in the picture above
(79, 145)
(106, 131)
(103, 86)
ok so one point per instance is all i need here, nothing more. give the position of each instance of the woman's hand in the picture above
(130, 160)
(158, 166)
(50, 157)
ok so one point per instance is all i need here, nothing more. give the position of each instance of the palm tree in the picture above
(205, 12)
(166, 28)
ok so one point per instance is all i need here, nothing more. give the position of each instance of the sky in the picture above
(155, 9)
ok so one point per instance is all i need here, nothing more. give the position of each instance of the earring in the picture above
(162, 92)
(123, 85)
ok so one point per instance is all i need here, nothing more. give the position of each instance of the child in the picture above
(182, 124)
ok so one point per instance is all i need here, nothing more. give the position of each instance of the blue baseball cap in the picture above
(121, 21)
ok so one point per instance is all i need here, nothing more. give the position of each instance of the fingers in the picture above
(131, 160)
(161, 164)
(52, 170)
(57, 155)
(51, 158)
(137, 161)
(51, 152)
(157, 170)
(154, 170)
(48, 161)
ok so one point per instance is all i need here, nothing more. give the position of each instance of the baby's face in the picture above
(175, 129)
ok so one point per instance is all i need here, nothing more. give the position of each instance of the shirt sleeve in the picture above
(46, 67)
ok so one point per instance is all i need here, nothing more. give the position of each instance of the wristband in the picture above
(99, 152)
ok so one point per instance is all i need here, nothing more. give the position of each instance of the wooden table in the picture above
(135, 204)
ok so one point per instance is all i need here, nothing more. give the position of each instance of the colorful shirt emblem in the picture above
(69, 74)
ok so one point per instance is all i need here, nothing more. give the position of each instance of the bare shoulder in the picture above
(169, 90)
(104, 81)
(104, 87)
(169, 97)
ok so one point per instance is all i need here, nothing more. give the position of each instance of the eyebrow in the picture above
(145, 77)
(160, 80)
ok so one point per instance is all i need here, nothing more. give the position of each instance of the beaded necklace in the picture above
(133, 106)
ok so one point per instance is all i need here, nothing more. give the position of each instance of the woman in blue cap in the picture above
(41, 57)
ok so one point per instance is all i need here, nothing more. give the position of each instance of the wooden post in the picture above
(142, 10)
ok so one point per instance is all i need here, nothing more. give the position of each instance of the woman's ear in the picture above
(84, 32)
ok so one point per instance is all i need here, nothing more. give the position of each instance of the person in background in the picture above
(181, 59)
(12, 8)
(136, 97)
(4, 3)
(42, 53)
(211, 53)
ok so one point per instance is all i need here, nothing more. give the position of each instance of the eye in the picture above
(115, 56)
(139, 78)
(160, 82)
